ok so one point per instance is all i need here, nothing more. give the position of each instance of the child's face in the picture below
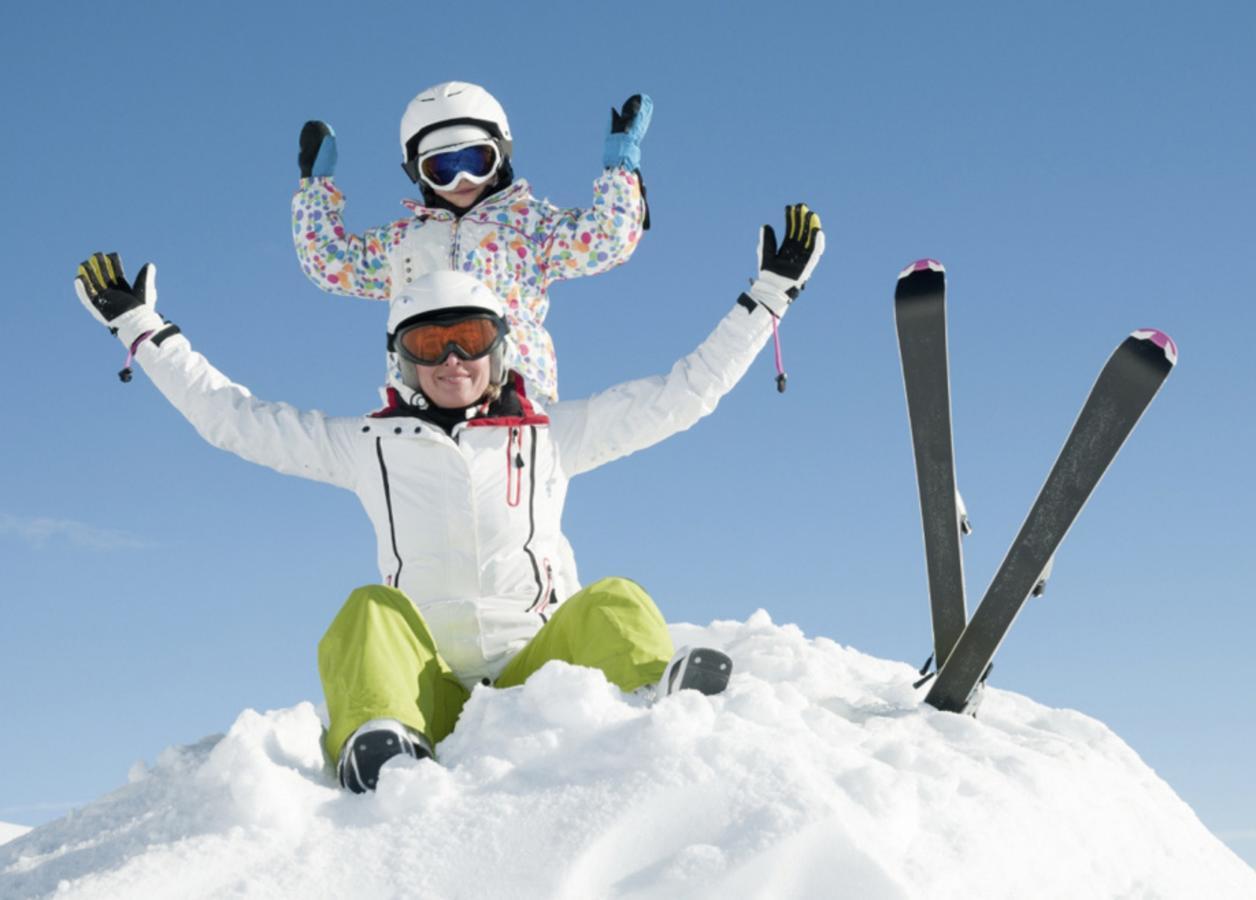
(463, 194)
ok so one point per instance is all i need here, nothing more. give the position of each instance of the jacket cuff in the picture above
(621, 151)
(130, 326)
(770, 297)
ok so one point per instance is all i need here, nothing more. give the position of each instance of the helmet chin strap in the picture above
(497, 372)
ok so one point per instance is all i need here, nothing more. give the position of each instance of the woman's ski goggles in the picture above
(476, 163)
(430, 343)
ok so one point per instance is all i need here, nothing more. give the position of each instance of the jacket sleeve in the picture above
(636, 414)
(575, 242)
(309, 444)
(336, 261)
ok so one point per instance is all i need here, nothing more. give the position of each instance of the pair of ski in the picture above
(964, 649)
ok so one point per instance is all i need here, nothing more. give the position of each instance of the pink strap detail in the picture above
(125, 374)
(135, 345)
(781, 378)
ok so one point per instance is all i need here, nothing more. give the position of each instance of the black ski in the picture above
(920, 316)
(1124, 389)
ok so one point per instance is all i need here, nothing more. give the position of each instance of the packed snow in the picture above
(817, 774)
(9, 831)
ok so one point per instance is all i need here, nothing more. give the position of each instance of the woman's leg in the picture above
(611, 625)
(378, 661)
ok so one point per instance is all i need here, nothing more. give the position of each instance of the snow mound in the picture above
(818, 773)
(9, 831)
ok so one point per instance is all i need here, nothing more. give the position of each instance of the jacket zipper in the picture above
(514, 467)
(394, 580)
(548, 597)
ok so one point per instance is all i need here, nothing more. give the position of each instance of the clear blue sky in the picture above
(1082, 170)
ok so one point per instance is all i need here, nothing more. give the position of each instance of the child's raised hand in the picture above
(628, 127)
(318, 150)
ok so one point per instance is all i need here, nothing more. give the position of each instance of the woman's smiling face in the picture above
(456, 383)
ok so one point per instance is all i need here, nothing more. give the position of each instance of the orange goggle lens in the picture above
(430, 344)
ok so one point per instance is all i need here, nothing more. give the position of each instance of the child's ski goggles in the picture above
(430, 343)
(476, 163)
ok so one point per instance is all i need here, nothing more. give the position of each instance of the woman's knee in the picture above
(375, 594)
(362, 603)
(622, 602)
(618, 590)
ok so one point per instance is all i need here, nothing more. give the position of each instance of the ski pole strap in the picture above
(125, 374)
(781, 377)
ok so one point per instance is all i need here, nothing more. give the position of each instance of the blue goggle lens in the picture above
(443, 169)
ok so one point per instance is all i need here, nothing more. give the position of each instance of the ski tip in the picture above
(1161, 340)
(920, 265)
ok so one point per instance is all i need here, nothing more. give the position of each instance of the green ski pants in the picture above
(378, 660)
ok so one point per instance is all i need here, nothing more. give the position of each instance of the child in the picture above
(475, 217)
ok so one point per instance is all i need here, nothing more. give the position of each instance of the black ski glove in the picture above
(318, 150)
(127, 311)
(784, 270)
(102, 286)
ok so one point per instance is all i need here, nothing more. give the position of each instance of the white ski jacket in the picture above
(468, 526)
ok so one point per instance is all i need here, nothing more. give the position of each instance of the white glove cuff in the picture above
(769, 290)
(130, 325)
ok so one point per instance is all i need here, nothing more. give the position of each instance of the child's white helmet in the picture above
(454, 104)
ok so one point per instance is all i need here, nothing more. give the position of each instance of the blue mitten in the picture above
(628, 127)
(318, 150)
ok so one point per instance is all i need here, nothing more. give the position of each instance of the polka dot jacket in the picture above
(516, 244)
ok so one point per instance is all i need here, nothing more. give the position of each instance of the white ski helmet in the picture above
(433, 296)
(452, 105)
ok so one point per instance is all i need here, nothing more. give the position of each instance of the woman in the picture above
(464, 479)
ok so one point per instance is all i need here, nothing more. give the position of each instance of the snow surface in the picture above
(817, 774)
(9, 831)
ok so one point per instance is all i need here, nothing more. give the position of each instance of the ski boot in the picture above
(372, 745)
(699, 669)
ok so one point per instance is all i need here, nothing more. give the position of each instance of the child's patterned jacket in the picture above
(516, 244)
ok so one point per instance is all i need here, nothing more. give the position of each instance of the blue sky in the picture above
(1081, 169)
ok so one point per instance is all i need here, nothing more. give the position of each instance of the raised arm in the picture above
(576, 242)
(636, 414)
(335, 260)
(308, 444)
